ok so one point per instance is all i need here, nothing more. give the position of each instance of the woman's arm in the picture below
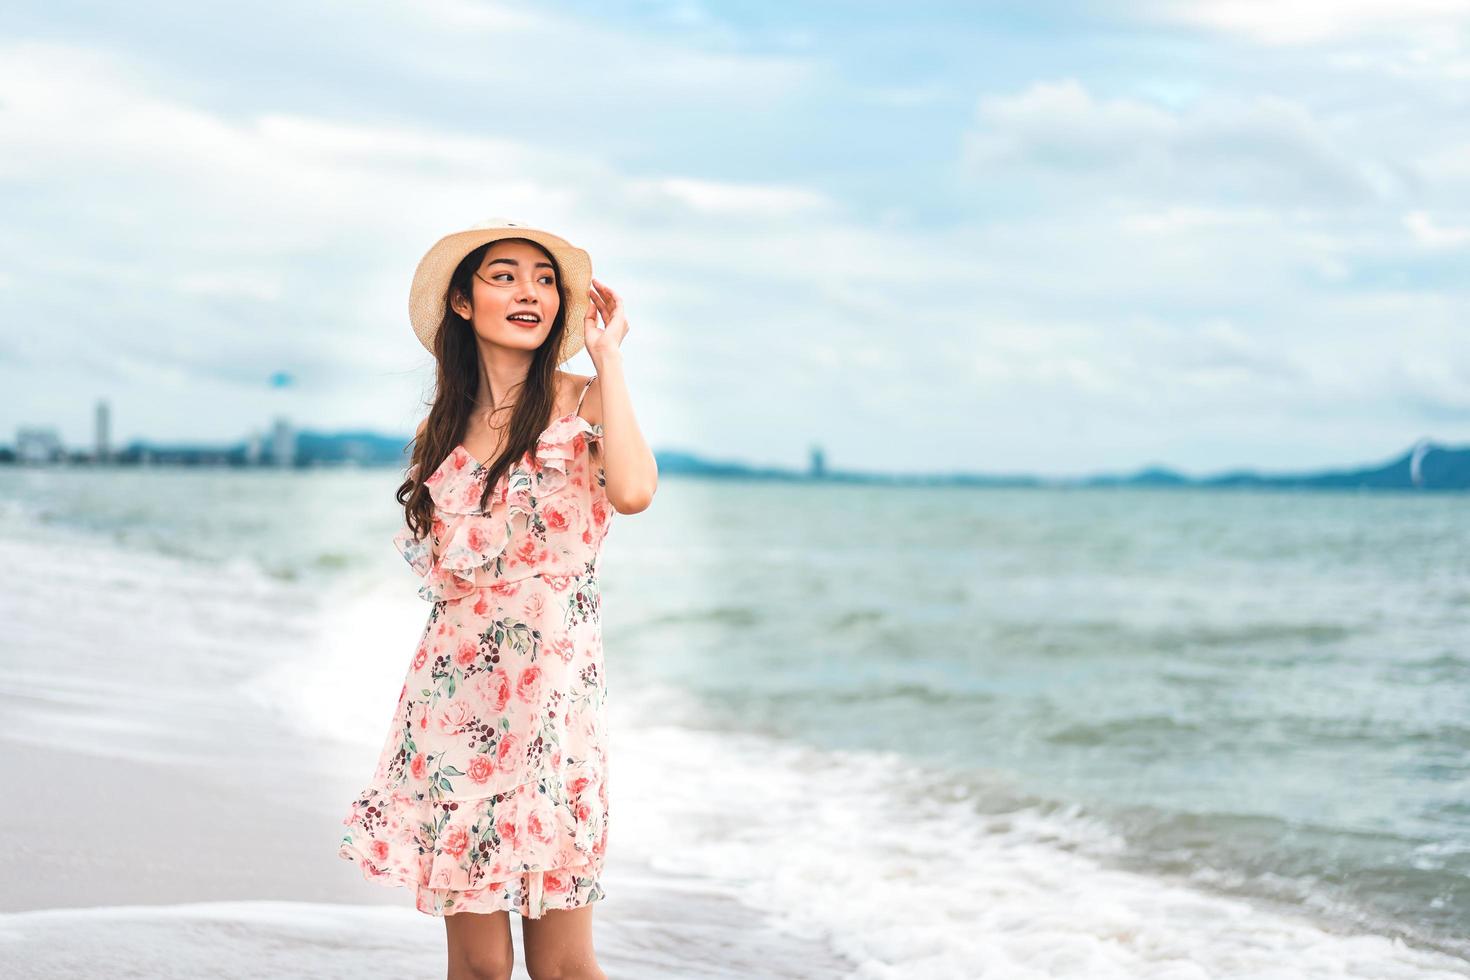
(629, 469)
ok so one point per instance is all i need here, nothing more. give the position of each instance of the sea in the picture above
(934, 731)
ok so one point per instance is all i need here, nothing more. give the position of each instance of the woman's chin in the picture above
(514, 339)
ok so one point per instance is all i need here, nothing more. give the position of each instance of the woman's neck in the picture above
(502, 377)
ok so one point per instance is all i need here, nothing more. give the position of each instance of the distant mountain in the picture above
(1424, 466)
(688, 464)
(1153, 476)
(363, 448)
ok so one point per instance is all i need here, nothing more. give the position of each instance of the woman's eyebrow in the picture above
(539, 265)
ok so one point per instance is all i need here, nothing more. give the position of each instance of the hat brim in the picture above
(426, 297)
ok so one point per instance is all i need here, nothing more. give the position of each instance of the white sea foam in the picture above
(118, 652)
(893, 866)
(898, 869)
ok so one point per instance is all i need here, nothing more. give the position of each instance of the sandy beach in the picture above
(237, 877)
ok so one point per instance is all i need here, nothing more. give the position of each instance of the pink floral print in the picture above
(491, 788)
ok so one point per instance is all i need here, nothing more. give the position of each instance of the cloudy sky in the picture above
(1048, 238)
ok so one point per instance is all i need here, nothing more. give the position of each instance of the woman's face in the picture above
(515, 295)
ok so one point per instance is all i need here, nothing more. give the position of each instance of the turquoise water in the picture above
(1270, 692)
(1266, 694)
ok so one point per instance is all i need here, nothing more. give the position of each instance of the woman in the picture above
(490, 794)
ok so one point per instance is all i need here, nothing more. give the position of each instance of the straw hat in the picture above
(431, 278)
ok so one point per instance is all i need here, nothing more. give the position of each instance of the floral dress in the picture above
(490, 792)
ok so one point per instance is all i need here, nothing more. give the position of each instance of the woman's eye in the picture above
(548, 279)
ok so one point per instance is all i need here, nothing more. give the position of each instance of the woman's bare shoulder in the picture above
(591, 408)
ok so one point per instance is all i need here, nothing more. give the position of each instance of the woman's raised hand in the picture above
(609, 336)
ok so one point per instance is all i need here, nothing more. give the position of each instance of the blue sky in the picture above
(1056, 238)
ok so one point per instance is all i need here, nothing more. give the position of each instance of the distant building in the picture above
(253, 449)
(819, 463)
(38, 445)
(283, 443)
(104, 433)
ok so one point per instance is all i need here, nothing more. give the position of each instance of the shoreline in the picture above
(238, 863)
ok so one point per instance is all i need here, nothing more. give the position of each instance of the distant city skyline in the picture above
(1201, 235)
(1425, 465)
(273, 445)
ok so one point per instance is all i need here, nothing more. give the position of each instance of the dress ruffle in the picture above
(470, 854)
(472, 539)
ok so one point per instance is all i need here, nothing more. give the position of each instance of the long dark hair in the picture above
(458, 381)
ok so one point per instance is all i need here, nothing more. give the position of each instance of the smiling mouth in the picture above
(524, 322)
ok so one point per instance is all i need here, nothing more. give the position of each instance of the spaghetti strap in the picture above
(584, 393)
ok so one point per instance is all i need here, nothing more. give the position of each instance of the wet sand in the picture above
(121, 867)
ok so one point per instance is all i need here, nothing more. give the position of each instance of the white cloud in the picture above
(501, 18)
(242, 283)
(1185, 220)
(1061, 125)
(1205, 367)
(1432, 235)
(1435, 382)
(594, 63)
(1288, 22)
(1261, 148)
(760, 201)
